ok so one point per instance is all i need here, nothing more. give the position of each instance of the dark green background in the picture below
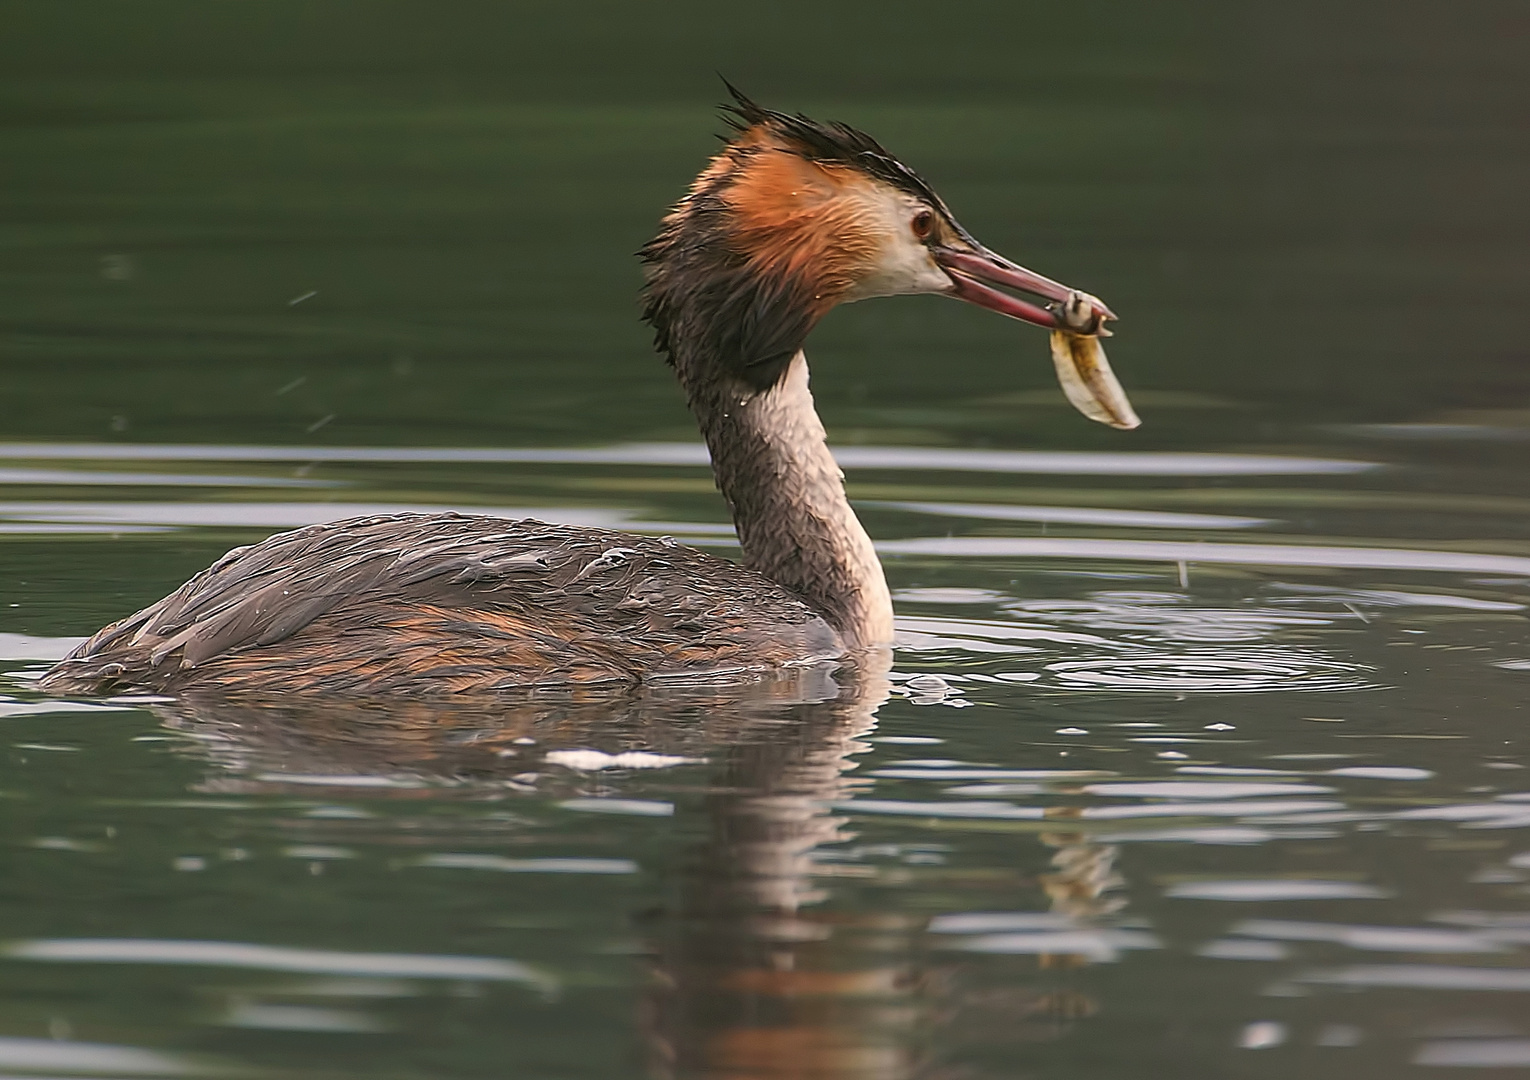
(1304, 208)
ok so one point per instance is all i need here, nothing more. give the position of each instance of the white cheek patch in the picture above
(903, 265)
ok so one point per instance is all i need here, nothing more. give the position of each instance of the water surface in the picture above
(1202, 751)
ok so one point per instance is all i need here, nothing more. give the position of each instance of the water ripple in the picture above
(1208, 671)
(232, 954)
(1172, 616)
(1335, 556)
(1068, 463)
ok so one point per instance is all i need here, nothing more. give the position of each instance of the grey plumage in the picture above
(449, 602)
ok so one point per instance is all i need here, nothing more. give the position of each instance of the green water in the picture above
(1201, 766)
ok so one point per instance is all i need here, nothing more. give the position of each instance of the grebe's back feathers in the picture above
(453, 603)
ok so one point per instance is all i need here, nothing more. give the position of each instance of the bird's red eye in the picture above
(923, 224)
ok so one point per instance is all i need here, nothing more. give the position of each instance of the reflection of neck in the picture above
(788, 501)
(775, 813)
(752, 981)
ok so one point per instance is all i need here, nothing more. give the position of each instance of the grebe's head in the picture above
(794, 217)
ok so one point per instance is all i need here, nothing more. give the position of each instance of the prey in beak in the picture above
(1076, 319)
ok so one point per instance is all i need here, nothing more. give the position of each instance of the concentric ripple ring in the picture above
(1211, 671)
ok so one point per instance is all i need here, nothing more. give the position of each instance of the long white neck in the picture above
(787, 495)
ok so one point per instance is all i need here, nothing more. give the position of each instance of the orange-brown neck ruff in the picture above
(801, 220)
(762, 246)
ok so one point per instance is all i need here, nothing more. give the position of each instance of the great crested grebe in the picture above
(791, 218)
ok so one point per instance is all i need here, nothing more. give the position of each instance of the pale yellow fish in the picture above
(1082, 369)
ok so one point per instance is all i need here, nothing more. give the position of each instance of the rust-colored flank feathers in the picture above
(447, 603)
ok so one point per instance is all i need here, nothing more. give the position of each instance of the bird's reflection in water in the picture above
(751, 975)
(271, 743)
(750, 979)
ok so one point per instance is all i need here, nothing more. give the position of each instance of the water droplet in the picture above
(1262, 1035)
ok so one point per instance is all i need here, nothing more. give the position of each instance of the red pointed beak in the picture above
(969, 269)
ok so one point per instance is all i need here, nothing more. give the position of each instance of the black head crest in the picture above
(830, 143)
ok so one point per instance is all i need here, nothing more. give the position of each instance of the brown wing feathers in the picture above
(422, 603)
